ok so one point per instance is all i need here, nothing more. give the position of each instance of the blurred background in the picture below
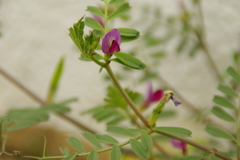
(34, 35)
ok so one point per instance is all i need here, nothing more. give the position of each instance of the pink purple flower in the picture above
(180, 145)
(152, 96)
(111, 42)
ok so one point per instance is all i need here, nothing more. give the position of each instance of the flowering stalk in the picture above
(158, 110)
(125, 96)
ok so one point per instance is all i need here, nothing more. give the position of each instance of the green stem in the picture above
(82, 154)
(196, 145)
(44, 146)
(125, 96)
(105, 15)
(98, 62)
(238, 132)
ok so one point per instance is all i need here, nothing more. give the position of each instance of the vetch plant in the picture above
(102, 46)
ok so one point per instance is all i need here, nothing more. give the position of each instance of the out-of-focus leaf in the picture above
(168, 114)
(116, 120)
(130, 60)
(233, 72)
(146, 141)
(76, 144)
(96, 56)
(92, 23)
(114, 2)
(93, 155)
(70, 157)
(174, 131)
(128, 34)
(103, 138)
(223, 102)
(96, 11)
(227, 90)
(194, 49)
(136, 130)
(138, 149)
(64, 151)
(105, 113)
(55, 80)
(120, 131)
(115, 153)
(92, 139)
(58, 108)
(120, 11)
(219, 112)
(182, 44)
(218, 132)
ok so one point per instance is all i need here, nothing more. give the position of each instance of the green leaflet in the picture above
(138, 148)
(120, 11)
(94, 24)
(220, 113)
(92, 139)
(64, 151)
(218, 132)
(129, 60)
(232, 71)
(223, 102)
(227, 90)
(146, 141)
(128, 34)
(174, 131)
(120, 131)
(55, 80)
(103, 138)
(115, 153)
(93, 155)
(76, 144)
(114, 2)
(95, 11)
(70, 157)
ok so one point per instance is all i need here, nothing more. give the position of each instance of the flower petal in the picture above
(176, 102)
(157, 95)
(116, 36)
(114, 47)
(111, 42)
(179, 144)
(106, 42)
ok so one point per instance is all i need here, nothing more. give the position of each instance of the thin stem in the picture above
(238, 131)
(159, 148)
(125, 96)
(82, 154)
(44, 146)
(196, 145)
(40, 101)
(20, 86)
(105, 15)
(201, 38)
